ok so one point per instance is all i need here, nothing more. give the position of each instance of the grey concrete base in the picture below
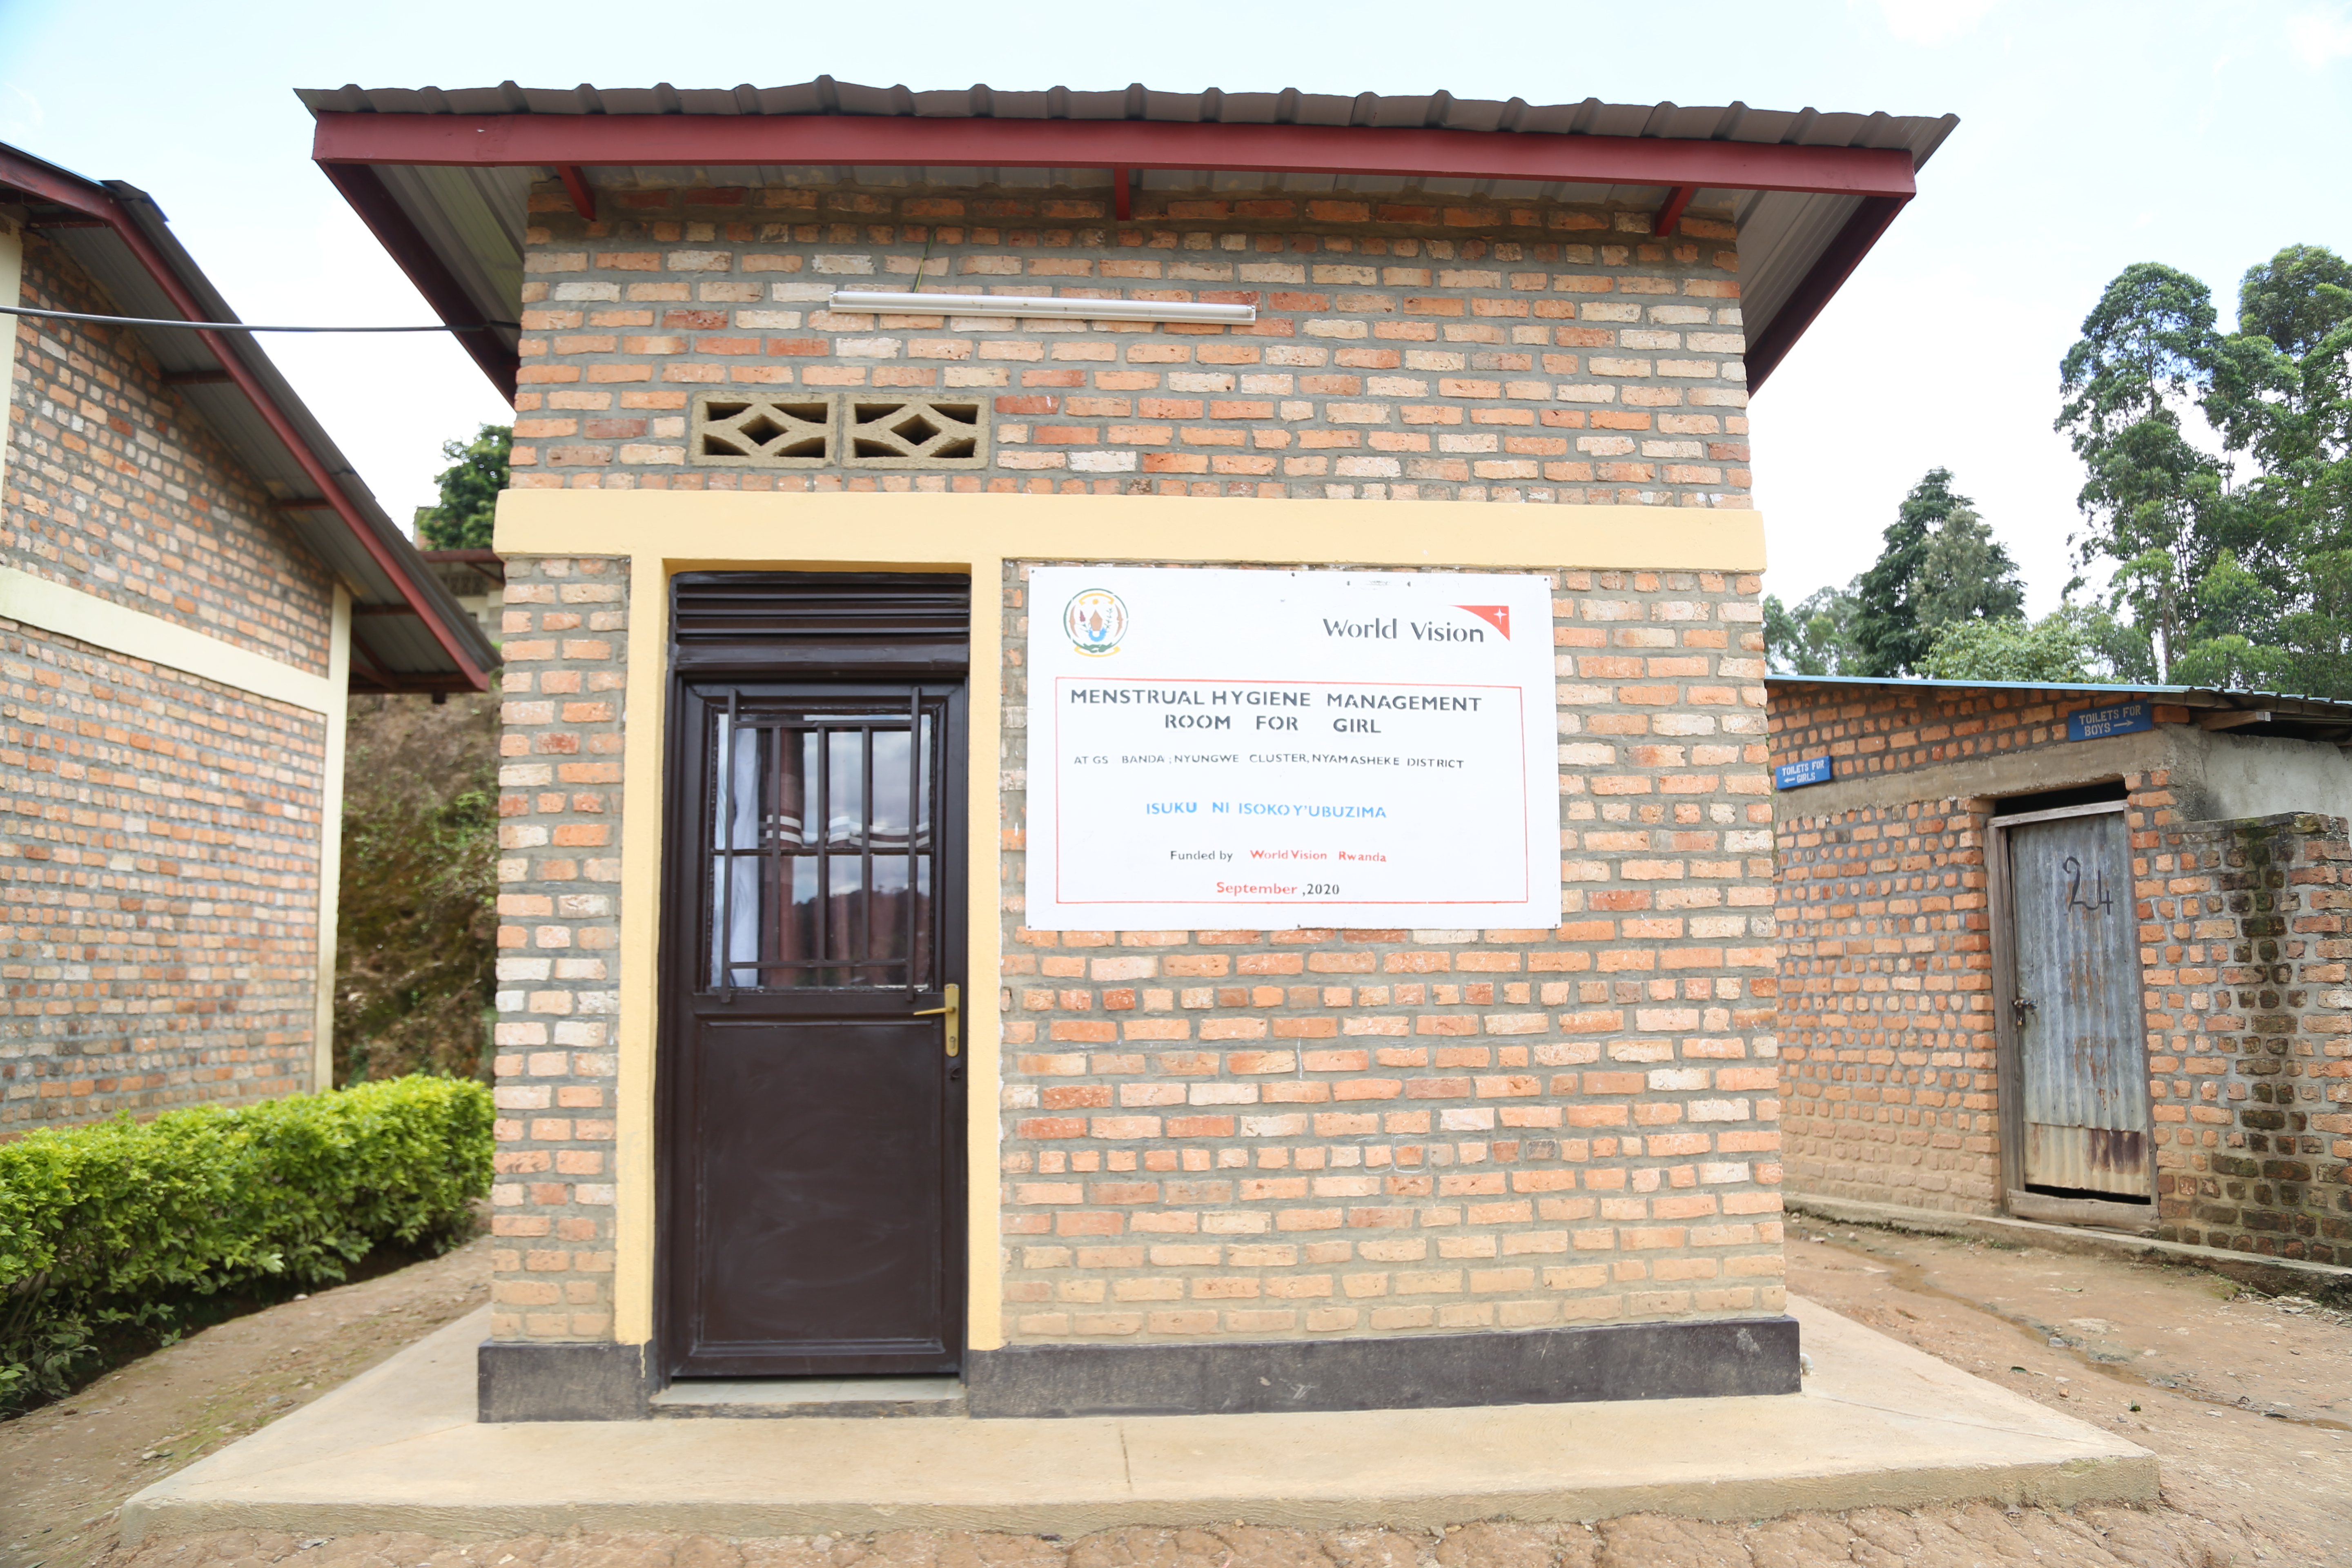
(559, 1382)
(780, 1398)
(1744, 1356)
(399, 1449)
(2272, 1275)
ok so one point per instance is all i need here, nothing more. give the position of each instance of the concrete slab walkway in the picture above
(1877, 1424)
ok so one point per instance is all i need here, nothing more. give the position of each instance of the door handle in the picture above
(952, 1011)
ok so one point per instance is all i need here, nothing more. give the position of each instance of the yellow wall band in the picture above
(695, 529)
(659, 533)
(135, 634)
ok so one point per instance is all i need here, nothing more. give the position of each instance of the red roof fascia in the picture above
(481, 140)
(100, 203)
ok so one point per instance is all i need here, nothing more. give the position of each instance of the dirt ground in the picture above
(2248, 1403)
(2245, 1400)
(65, 1469)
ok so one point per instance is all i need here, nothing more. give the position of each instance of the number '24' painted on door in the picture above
(2075, 900)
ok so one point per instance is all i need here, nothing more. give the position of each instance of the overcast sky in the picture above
(2091, 136)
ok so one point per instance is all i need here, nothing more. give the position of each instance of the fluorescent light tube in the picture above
(1037, 307)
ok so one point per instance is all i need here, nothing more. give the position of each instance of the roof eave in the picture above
(2290, 705)
(351, 145)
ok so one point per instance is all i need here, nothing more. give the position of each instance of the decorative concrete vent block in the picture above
(915, 433)
(734, 430)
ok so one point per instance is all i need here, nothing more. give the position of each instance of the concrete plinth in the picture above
(1877, 1424)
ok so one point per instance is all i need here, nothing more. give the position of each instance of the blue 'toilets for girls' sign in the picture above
(1797, 775)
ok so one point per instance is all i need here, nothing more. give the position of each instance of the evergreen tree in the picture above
(469, 492)
(1939, 563)
(1965, 576)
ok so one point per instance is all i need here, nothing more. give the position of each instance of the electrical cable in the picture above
(235, 326)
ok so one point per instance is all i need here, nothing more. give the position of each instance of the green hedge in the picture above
(117, 1229)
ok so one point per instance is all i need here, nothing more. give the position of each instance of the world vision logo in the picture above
(1096, 620)
(1396, 629)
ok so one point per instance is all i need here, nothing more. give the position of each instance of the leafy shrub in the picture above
(415, 934)
(117, 1229)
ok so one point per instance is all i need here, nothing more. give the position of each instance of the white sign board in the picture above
(1271, 749)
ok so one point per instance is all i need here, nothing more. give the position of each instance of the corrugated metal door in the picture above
(2081, 1047)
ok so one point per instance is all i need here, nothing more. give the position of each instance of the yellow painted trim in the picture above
(118, 628)
(643, 784)
(985, 962)
(659, 533)
(330, 841)
(697, 530)
(644, 731)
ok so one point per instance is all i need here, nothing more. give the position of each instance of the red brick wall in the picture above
(1267, 1135)
(1882, 730)
(2250, 1033)
(566, 631)
(1886, 1022)
(159, 854)
(1492, 352)
(117, 487)
(1264, 1135)
(159, 886)
(1217, 1133)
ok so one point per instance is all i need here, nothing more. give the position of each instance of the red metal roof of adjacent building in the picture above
(409, 634)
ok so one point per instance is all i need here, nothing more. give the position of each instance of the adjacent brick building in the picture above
(1190, 1169)
(1900, 1039)
(176, 596)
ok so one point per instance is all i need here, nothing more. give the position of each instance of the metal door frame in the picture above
(895, 643)
(2008, 1049)
(682, 914)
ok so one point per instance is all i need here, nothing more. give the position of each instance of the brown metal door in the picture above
(2082, 1044)
(813, 1171)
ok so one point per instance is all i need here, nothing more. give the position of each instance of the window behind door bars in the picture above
(820, 874)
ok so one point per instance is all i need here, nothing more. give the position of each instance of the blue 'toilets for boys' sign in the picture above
(1797, 775)
(2096, 723)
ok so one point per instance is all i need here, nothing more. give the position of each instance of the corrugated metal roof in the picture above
(474, 217)
(401, 644)
(2289, 706)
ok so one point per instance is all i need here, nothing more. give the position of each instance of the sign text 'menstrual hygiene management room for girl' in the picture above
(1272, 749)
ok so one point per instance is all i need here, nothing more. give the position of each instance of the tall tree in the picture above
(1939, 564)
(2154, 502)
(2281, 393)
(469, 492)
(2237, 565)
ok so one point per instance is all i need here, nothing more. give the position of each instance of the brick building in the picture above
(2074, 954)
(1219, 1163)
(190, 580)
